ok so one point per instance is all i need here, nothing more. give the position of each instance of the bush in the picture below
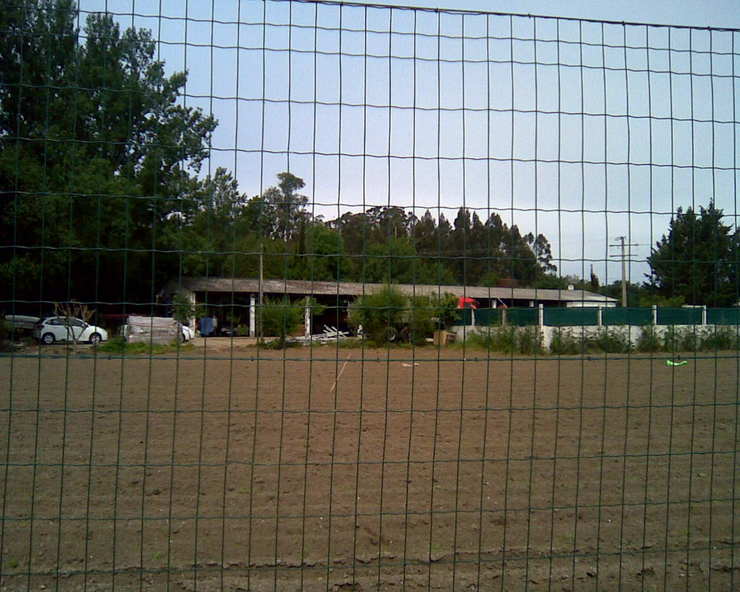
(184, 310)
(564, 343)
(509, 340)
(380, 315)
(611, 341)
(529, 340)
(606, 340)
(389, 315)
(280, 318)
(676, 339)
(649, 340)
(427, 314)
(721, 338)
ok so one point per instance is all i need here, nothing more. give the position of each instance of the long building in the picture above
(234, 300)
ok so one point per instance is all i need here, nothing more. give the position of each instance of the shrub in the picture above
(500, 340)
(611, 341)
(529, 340)
(184, 310)
(649, 340)
(380, 314)
(280, 318)
(390, 315)
(445, 310)
(564, 343)
(721, 338)
(421, 319)
(676, 339)
(509, 340)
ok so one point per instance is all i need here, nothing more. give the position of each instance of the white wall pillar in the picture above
(704, 315)
(655, 314)
(541, 315)
(252, 315)
(307, 318)
(191, 299)
(600, 316)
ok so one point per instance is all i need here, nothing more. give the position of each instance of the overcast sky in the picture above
(694, 13)
(581, 131)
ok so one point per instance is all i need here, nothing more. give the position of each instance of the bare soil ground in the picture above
(326, 469)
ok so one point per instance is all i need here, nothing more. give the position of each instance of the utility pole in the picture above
(261, 290)
(624, 254)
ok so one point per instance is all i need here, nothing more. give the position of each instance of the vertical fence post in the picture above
(541, 315)
(655, 314)
(600, 316)
(704, 315)
(503, 316)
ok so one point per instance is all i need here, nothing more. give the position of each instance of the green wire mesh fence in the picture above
(325, 296)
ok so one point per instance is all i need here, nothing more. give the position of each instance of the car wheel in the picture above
(47, 338)
(95, 338)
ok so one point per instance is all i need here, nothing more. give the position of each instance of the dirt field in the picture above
(352, 470)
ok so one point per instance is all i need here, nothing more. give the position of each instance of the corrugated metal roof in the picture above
(303, 287)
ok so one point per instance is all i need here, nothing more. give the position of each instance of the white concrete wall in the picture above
(633, 332)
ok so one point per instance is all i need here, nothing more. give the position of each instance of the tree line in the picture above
(104, 196)
(383, 244)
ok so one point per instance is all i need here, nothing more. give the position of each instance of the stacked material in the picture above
(159, 330)
(20, 322)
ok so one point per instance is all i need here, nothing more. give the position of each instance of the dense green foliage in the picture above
(280, 318)
(698, 260)
(390, 315)
(97, 154)
(103, 196)
(508, 340)
(606, 340)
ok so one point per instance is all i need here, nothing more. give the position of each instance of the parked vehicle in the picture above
(53, 329)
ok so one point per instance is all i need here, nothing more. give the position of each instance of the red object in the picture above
(465, 302)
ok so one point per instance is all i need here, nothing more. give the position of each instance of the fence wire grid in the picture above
(328, 296)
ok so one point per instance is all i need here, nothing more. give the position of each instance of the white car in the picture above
(53, 329)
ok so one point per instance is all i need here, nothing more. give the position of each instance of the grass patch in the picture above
(118, 345)
(277, 343)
